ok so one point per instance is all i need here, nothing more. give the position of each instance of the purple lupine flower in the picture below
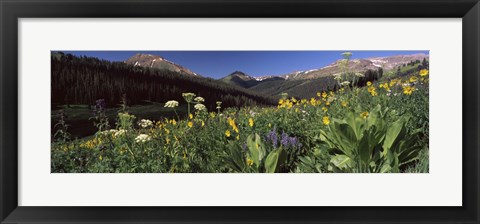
(293, 141)
(100, 105)
(273, 137)
(285, 139)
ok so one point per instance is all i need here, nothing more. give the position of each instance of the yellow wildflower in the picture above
(249, 162)
(413, 79)
(190, 124)
(408, 90)
(227, 133)
(324, 95)
(100, 158)
(326, 120)
(203, 123)
(423, 72)
(369, 83)
(324, 109)
(344, 103)
(190, 116)
(250, 122)
(313, 101)
(269, 125)
(364, 115)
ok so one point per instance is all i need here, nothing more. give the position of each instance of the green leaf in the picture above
(341, 162)
(345, 138)
(394, 132)
(255, 149)
(274, 160)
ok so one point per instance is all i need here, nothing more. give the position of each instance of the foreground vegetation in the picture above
(382, 127)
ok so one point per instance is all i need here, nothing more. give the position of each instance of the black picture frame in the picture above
(11, 11)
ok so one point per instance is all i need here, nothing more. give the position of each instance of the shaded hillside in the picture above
(82, 80)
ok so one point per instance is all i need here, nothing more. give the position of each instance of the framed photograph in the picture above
(247, 112)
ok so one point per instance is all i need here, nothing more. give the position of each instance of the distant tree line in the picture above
(83, 80)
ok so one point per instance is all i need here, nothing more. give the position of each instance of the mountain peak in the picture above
(158, 62)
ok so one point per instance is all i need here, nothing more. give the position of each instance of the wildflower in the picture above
(188, 97)
(250, 122)
(413, 79)
(171, 104)
(200, 107)
(144, 123)
(203, 123)
(119, 133)
(345, 83)
(324, 109)
(273, 137)
(364, 115)
(238, 137)
(313, 101)
(212, 114)
(231, 122)
(344, 103)
(324, 95)
(326, 120)
(100, 105)
(143, 138)
(173, 121)
(190, 124)
(372, 90)
(190, 116)
(408, 90)
(199, 99)
(167, 141)
(319, 94)
(100, 158)
(227, 133)
(249, 162)
(358, 74)
(369, 83)
(269, 125)
(423, 72)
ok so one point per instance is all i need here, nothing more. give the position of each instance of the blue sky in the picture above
(217, 64)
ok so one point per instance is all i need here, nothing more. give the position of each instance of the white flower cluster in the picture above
(345, 83)
(143, 138)
(199, 99)
(200, 107)
(144, 123)
(114, 132)
(108, 132)
(171, 103)
(358, 74)
(120, 132)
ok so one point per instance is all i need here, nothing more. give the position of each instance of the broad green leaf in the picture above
(255, 149)
(394, 132)
(274, 160)
(342, 162)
